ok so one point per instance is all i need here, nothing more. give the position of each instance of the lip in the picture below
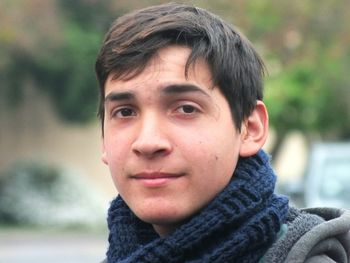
(155, 179)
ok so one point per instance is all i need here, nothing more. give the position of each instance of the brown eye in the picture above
(188, 109)
(124, 113)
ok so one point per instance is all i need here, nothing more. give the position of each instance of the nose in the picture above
(151, 140)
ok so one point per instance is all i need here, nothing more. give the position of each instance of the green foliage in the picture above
(67, 74)
(88, 15)
(308, 42)
(63, 70)
(265, 24)
(294, 99)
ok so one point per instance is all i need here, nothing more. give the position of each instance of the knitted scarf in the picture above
(238, 225)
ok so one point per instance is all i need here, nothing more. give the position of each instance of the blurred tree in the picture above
(306, 45)
(22, 36)
(309, 56)
(59, 56)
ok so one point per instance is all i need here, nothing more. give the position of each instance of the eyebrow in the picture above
(183, 88)
(119, 96)
(168, 90)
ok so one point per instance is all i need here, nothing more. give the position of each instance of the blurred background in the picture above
(55, 191)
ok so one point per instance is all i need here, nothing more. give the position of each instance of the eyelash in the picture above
(120, 110)
(183, 107)
(179, 110)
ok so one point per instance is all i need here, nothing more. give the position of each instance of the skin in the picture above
(170, 142)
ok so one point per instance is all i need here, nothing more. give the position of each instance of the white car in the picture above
(327, 179)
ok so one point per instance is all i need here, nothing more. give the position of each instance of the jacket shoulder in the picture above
(313, 235)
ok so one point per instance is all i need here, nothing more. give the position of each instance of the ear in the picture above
(254, 130)
(104, 153)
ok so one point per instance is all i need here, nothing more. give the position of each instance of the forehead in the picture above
(168, 65)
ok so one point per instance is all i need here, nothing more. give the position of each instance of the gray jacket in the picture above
(314, 235)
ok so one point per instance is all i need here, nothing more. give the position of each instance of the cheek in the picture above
(216, 153)
(116, 153)
(205, 153)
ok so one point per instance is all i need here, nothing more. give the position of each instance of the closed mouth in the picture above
(155, 175)
(155, 179)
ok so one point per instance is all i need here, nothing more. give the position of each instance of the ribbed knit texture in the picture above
(239, 225)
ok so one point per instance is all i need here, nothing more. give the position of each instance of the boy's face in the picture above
(169, 141)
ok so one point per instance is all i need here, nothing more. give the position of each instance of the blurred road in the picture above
(52, 247)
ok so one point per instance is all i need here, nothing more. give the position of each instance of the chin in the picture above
(161, 216)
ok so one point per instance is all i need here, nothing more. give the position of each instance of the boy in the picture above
(183, 126)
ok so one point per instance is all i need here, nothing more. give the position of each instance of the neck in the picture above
(164, 230)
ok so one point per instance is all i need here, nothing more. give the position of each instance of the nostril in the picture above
(151, 139)
(150, 148)
(160, 153)
(151, 151)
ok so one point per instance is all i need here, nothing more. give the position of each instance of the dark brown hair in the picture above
(134, 39)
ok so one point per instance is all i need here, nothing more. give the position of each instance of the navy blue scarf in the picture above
(239, 225)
